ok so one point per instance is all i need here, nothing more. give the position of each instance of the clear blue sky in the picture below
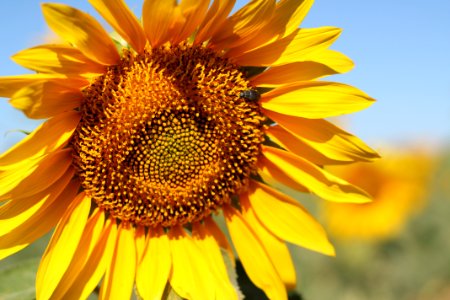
(401, 49)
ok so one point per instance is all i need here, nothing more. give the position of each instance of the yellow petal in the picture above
(209, 247)
(253, 256)
(62, 246)
(58, 59)
(24, 181)
(119, 278)
(190, 272)
(154, 268)
(157, 16)
(289, 49)
(9, 85)
(244, 24)
(275, 179)
(45, 100)
(41, 222)
(87, 279)
(331, 144)
(287, 219)
(90, 238)
(82, 31)
(316, 154)
(287, 17)
(193, 12)
(291, 73)
(16, 212)
(12, 175)
(214, 19)
(119, 16)
(220, 237)
(48, 137)
(140, 241)
(332, 59)
(297, 10)
(276, 248)
(294, 171)
(315, 99)
(177, 22)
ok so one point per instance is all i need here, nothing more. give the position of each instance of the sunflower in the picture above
(192, 115)
(398, 186)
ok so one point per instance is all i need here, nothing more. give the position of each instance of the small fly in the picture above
(251, 95)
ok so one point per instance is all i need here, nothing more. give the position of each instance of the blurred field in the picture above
(412, 266)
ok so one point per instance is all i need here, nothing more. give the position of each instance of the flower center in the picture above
(165, 137)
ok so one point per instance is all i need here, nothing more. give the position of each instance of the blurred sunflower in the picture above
(193, 113)
(398, 185)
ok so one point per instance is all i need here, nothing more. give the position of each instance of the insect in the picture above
(251, 95)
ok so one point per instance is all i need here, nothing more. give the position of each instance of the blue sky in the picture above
(401, 49)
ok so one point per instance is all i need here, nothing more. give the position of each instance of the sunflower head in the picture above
(165, 137)
(146, 142)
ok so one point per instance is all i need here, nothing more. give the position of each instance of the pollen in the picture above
(165, 138)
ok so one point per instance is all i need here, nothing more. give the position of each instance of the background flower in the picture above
(399, 186)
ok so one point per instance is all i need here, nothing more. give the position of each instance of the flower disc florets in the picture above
(165, 138)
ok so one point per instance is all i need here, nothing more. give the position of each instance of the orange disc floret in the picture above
(165, 137)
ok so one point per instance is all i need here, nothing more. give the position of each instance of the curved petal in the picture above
(62, 246)
(244, 24)
(119, 16)
(154, 268)
(272, 177)
(331, 144)
(94, 268)
(287, 17)
(321, 154)
(289, 49)
(193, 12)
(140, 241)
(57, 59)
(297, 11)
(291, 73)
(208, 245)
(332, 59)
(16, 212)
(254, 258)
(23, 181)
(48, 137)
(287, 219)
(190, 272)
(157, 16)
(9, 85)
(315, 99)
(45, 100)
(82, 31)
(43, 220)
(11, 176)
(294, 171)
(214, 19)
(276, 248)
(90, 237)
(219, 236)
(120, 272)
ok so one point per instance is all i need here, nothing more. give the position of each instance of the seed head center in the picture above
(165, 138)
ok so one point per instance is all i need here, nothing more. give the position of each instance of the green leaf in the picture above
(18, 272)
